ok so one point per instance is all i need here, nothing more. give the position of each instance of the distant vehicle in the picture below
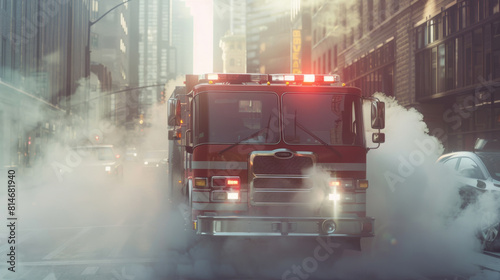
(131, 154)
(478, 172)
(154, 158)
(100, 159)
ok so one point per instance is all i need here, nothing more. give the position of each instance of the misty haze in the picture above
(249, 139)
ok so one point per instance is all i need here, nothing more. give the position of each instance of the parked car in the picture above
(478, 172)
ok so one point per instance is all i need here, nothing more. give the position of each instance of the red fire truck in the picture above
(264, 155)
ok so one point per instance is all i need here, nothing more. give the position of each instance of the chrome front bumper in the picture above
(277, 226)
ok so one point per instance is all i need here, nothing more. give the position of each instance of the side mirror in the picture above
(378, 137)
(378, 115)
(481, 184)
(174, 112)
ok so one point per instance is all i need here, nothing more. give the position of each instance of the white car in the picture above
(477, 172)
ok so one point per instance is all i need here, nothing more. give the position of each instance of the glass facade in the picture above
(457, 61)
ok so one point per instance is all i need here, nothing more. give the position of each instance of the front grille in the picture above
(271, 165)
(279, 181)
(283, 197)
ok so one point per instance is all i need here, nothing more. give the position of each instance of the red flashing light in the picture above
(97, 138)
(117, 156)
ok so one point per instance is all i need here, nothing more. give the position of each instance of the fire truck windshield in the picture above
(321, 118)
(236, 117)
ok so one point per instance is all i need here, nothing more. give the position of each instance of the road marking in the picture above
(92, 262)
(120, 243)
(63, 246)
(90, 270)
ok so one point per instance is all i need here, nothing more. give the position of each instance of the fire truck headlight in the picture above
(334, 197)
(107, 168)
(233, 196)
(146, 163)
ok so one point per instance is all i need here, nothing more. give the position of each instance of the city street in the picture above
(249, 139)
(131, 231)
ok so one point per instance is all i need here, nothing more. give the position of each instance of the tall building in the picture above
(154, 35)
(441, 57)
(268, 36)
(229, 26)
(110, 48)
(301, 36)
(42, 59)
(233, 54)
(181, 49)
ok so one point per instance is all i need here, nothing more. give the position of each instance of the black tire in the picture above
(490, 237)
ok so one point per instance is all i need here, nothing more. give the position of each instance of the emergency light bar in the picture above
(317, 79)
(233, 78)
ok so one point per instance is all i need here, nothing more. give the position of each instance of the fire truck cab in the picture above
(272, 155)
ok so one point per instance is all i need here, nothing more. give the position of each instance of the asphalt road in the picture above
(99, 229)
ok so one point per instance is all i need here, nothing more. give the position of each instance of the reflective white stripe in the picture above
(221, 206)
(226, 165)
(343, 166)
(200, 196)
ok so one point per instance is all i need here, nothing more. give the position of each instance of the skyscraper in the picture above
(268, 36)
(153, 49)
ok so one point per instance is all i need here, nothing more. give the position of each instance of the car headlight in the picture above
(146, 163)
(107, 168)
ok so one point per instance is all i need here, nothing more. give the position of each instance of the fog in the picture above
(420, 227)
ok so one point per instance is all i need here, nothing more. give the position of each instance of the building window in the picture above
(420, 34)
(450, 21)
(324, 63)
(330, 61)
(441, 70)
(450, 65)
(395, 6)
(477, 59)
(370, 15)
(464, 14)
(433, 30)
(381, 10)
(335, 56)
(493, 7)
(495, 51)
(360, 11)
(468, 58)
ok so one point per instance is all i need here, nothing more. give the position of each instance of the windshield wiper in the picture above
(297, 124)
(249, 136)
